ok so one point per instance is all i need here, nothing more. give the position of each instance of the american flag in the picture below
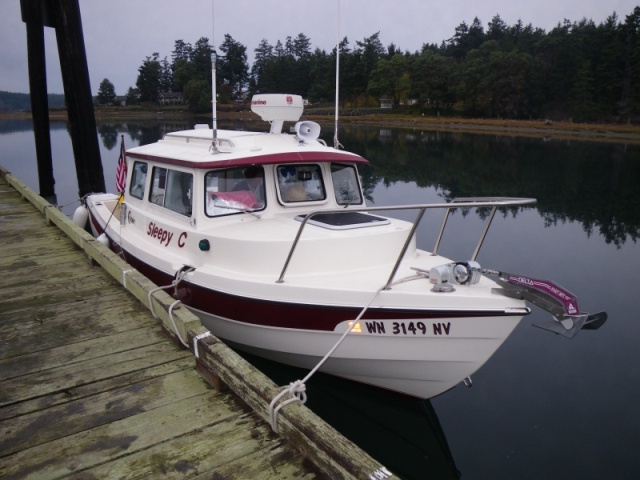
(121, 171)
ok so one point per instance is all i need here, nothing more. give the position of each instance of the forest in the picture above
(12, 102)
(577, 71)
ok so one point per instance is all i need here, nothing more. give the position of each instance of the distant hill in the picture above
(15, 102)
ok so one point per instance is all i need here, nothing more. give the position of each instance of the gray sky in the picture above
(120, 34)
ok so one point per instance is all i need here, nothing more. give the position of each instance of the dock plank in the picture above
(117, 439)
(43, 382)
(95, 388)
(33, 429)
(240, 454)
(45, 327)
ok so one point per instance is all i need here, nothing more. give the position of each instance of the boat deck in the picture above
(90, 386)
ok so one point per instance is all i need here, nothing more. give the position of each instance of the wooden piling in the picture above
(77, 92)
(33, 16)
(64, 16)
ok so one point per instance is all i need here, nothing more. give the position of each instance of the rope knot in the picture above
(298, 389)
(298, 392)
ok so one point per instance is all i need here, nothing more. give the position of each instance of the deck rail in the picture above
(463, 202)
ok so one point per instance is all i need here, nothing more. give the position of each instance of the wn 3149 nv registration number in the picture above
(409, 328)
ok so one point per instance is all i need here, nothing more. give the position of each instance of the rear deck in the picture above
(90, 386)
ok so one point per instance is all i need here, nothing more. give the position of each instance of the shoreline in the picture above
(536, 128)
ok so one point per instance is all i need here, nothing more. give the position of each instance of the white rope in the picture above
(124, 277)
(152, 291)
(195, 342)
(297, 389)
(179, 277)
(173, 322)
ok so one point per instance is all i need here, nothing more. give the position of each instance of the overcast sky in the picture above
(120, 34)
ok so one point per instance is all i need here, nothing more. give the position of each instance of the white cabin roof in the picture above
(192, 148)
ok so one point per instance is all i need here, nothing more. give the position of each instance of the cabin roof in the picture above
(192, 148)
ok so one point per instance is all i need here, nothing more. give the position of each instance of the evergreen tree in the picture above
(166, 76)
(366, 56)
(197, 94)
(201, 60)
(232, 67)
(301, 46)
(149, 79)
(133, 96)
(181, 66)
(106, 92)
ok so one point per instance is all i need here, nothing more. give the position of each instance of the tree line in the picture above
(577, 70)
(11, 102)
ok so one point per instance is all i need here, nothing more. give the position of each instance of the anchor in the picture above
(562, 304)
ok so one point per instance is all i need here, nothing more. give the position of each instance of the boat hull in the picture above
(420, 351)
(422, 364)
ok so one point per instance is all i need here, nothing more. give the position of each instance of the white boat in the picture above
(279, 255)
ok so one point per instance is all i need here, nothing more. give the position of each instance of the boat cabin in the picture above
(263, 174)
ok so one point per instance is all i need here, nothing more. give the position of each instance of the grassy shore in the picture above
(629, 133)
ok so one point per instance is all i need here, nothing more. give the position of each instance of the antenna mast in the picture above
(336, 142)
(214, 125)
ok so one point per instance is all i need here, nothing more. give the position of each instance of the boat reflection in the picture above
(401, 432)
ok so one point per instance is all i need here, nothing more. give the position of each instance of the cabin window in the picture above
(234, 190)
(172, 189)
(300, 183)
(345, 184)
(138, 180)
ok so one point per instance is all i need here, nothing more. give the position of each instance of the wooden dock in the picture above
(92, 387)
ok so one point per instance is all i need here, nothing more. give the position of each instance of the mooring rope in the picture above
(297, 389)
(180, 274)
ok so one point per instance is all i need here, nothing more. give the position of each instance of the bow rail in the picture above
(463, 202)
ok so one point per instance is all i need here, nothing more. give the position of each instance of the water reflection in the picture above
(593, 183)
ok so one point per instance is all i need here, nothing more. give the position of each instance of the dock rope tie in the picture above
(180, 274)
(297, 389)
(298, 392)
(124, 277)
(195, 342)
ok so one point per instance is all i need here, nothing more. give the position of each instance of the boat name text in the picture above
(165, 236)
(410, 328)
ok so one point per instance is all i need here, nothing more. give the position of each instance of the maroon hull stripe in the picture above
(283, 314)
(286, 315)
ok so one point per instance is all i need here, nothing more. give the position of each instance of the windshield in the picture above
(345, 184)
(234, 190)
(300, 183)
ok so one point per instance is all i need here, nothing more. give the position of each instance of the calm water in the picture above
(544, 407)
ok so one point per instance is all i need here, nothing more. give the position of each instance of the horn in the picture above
(307, 131)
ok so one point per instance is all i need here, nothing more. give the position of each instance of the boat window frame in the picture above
(169, 183)
(235, 185)
(289, 199)
(356, 179)
(135, 183)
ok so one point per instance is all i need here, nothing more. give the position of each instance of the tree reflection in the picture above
(594, 183)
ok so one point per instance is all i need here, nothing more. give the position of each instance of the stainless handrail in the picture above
(466, 202)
